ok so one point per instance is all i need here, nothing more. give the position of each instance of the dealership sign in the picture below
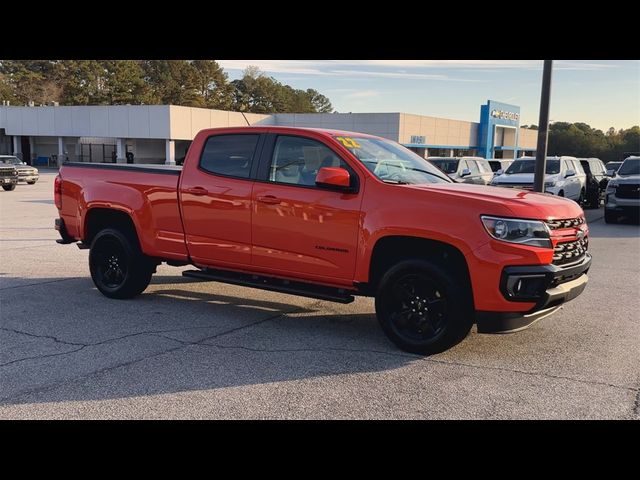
(420, 139)
(504, 115)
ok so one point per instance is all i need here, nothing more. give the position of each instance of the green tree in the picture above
(84, 82)
(321, 104)
(125, 83)
(213, 84)
(172, 82)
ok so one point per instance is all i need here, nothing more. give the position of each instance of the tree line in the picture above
(191, 83)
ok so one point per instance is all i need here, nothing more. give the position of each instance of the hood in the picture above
(624, 179)
(525, 178)
(25, 167)
(494, 200)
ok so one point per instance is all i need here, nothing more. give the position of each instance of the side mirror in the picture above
(465, 173)
(499, 172)
(570, 173)
(335, 178)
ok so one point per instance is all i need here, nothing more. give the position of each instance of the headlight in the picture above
(549, 184)
(513, 230)
(611, 187)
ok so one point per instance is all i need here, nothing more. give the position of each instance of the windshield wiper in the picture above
(395, 182)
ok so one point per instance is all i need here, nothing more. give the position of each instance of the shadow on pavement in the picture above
(172, 340)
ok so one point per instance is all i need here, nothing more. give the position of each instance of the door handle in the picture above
(270, 199)
(197, 191)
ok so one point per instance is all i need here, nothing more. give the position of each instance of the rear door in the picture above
(215, 196)
(299, 229)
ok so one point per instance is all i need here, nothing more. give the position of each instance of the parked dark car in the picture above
(8, 176)
(597, 180)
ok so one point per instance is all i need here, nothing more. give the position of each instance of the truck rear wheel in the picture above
(422, 308)
(118, 267)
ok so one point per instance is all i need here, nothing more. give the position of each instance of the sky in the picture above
(601, 93)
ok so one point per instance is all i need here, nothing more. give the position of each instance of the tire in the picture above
(444, 307)
(581, 197)
(9, 188)
(118, 267)
(561, 193)
(31, 183)
(610, 216)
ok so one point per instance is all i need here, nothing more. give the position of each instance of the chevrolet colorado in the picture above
(330, 214)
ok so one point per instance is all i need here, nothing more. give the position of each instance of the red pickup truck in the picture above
(330, 214)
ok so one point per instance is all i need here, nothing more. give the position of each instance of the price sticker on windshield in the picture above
(348, 142)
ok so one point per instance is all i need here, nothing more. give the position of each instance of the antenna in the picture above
(245, 118)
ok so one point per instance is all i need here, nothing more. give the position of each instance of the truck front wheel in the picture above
(422, 308)
(118, 268)
(9, 188)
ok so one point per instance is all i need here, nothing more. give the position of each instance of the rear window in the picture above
(229, 155)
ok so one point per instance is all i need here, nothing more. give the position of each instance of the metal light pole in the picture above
(543, 128)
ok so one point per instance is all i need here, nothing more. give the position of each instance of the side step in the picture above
(273, 284)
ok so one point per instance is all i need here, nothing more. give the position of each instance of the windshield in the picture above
(391, 162)
(446, 165)
(613, 165)
(10, 161)
(630, 167)
(528, 166)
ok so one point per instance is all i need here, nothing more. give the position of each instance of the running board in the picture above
(273, 284)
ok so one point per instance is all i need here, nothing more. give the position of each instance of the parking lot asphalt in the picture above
(190, 349)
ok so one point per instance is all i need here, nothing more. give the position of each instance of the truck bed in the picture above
(147, 193)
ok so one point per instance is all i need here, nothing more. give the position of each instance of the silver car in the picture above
(26, 173)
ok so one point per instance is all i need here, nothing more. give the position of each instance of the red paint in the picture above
(335, 176)
(309, 233)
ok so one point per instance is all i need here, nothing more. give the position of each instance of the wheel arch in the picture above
(391, 249)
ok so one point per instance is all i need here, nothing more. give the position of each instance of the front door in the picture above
(298, 228)
(216, 200)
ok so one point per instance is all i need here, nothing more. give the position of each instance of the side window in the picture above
(578, 167)
(230, 155)
(484, 166)
(296, 160)
(463, 166)
(566, 166)
(473, 166)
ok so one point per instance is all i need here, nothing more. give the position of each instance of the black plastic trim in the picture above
(273, 284)
(161, 169)
(555, 275)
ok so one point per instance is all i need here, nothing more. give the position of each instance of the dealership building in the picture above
(162, 133)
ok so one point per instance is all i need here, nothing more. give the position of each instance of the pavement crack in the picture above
(138, 360)
(55, 339)
(38, 357)
(525, 372)
(37, 283)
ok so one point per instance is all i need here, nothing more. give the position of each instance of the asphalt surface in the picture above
(189, 349)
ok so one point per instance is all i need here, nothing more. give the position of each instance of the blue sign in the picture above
(496, 114)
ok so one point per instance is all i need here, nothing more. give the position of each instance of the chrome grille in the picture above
(6, 172)
(567, 223)
(570, 252)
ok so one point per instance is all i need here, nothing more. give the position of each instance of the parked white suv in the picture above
(564, 176)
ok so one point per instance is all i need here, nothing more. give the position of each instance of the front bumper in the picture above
(548, 286)
(8, 181)
(28, 178)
